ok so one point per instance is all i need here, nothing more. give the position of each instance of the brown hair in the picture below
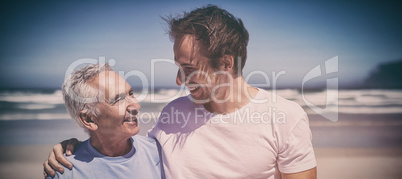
(218, 30)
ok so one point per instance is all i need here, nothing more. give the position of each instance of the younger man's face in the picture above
(195, 70)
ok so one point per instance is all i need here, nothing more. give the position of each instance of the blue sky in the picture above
(41, 39)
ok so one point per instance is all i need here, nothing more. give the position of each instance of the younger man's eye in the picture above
(189, 70)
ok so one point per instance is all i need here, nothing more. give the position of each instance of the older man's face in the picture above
(118, 113)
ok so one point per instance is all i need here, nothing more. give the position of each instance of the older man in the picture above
(232, 130)
(102, 102)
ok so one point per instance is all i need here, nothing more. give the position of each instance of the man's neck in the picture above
(240, 96)
(110, 146)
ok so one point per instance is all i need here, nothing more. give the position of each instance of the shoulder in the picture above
(174, 115)
(283, 106)
(285, 114)
(145, 142)
(180, 103)
(81, 155)
(82, 148)
(146, 148)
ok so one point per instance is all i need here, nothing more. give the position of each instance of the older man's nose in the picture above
(133, 109)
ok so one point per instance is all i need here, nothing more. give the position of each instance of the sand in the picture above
(23, 161)
(345, 163)
(359, 163)
(360, 147)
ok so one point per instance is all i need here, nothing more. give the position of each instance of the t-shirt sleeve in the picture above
(297, 154)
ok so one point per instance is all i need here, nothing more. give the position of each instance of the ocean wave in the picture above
(33, 116)
(32, 97)
(370, 110)
(287, 93)
(357, 110)
(36, 106)
(49, 105)
(350, 98)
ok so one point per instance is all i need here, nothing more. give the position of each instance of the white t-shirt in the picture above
(256, 141)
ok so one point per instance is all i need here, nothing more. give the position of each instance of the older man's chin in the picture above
(132, 126)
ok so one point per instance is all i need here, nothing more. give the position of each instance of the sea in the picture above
(39, 116)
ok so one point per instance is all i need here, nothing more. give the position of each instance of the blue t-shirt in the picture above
(141, 162)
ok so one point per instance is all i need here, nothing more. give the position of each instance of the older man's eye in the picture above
(131, 93)
(118, 100)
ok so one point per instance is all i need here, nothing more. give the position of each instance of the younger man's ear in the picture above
(87, 121)
(226, 63)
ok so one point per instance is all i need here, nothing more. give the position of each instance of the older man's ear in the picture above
(87, 121)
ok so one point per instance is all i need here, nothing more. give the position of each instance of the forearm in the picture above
(308, 174)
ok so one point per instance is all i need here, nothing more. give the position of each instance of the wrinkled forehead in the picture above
(109, 83)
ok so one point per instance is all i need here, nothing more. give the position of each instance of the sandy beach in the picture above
(356, 146)
(359, 163)
(351, 163)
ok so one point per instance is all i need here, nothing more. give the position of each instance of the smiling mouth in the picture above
(192, 89)
(131, 119)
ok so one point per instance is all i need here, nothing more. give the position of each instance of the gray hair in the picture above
(79, 95)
